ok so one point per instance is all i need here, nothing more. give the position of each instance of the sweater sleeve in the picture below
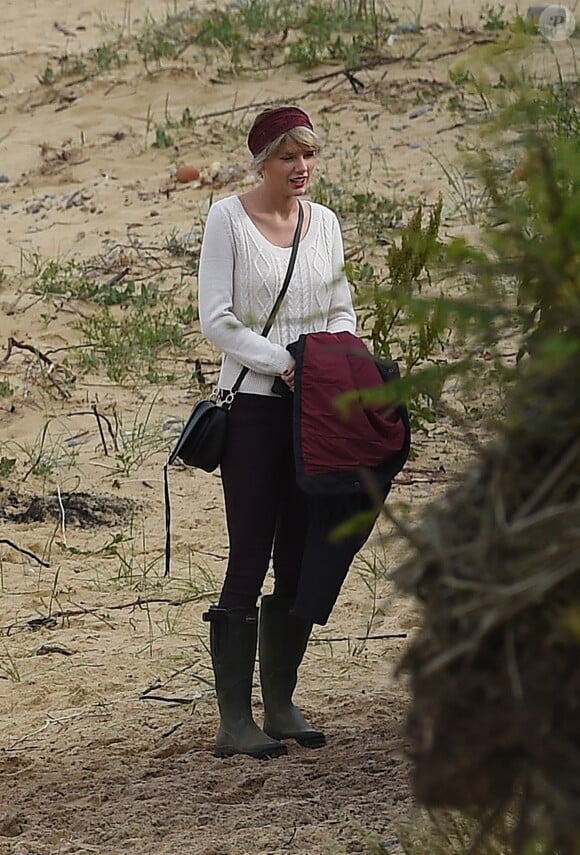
(341, 314)
(218, 322)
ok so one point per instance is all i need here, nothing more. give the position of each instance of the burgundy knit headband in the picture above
(271, 124)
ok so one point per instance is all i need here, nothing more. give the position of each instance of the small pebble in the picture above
(185, 174)
(4, 179)
(153, 213)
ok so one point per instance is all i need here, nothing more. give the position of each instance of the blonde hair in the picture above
(302, 136)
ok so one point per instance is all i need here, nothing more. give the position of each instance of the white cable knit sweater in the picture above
(240, 276)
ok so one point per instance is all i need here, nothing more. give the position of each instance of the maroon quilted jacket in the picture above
(332, 445)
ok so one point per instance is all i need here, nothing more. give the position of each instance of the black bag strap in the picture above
(167, 519)
(274, 311)
(267, 327)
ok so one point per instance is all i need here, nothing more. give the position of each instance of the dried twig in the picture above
(12, 343)
(350, 70)
(252, 105)
(51, 719)
(64, 614)
(100, 416)
(391, 60)
(185, 701)
(102, 435)
(24, 551)
(172, 730)
(386, 637)
(117, 277)
(46, 649)
(552, 477)
(62, 515)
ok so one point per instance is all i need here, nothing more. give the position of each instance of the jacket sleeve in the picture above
(218, 322)
(341, 314)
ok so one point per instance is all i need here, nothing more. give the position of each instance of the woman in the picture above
(244, 257)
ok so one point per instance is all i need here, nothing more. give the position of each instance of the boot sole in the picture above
(316, 739)
(266, 754)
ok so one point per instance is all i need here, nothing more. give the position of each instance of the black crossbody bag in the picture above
(202, 441)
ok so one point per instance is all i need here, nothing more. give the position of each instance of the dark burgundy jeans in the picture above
(265, 510)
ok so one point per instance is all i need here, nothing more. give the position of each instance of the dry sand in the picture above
(90, 762)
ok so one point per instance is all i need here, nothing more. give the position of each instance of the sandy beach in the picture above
(107, 710)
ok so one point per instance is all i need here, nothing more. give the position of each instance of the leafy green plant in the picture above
(399, 327)
(167, 38)
(72, 279)
(336, 29)
(223, 29)
(110, 55)
(136, 344)
(6, 389)
(9, 668)
(187, 118)
(56, 276)
(48, 76)
(163, 138)
(7, 466)
(347, 32)
(493, 17)
(478, 88)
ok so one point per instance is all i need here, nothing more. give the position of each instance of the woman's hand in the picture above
(288, 378)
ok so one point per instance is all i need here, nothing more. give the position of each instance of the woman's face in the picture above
(289, 170)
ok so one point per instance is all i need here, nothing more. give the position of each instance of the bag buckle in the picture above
(220, 396)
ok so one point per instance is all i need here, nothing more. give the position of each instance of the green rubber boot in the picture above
(283, 640)
(233, 641)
